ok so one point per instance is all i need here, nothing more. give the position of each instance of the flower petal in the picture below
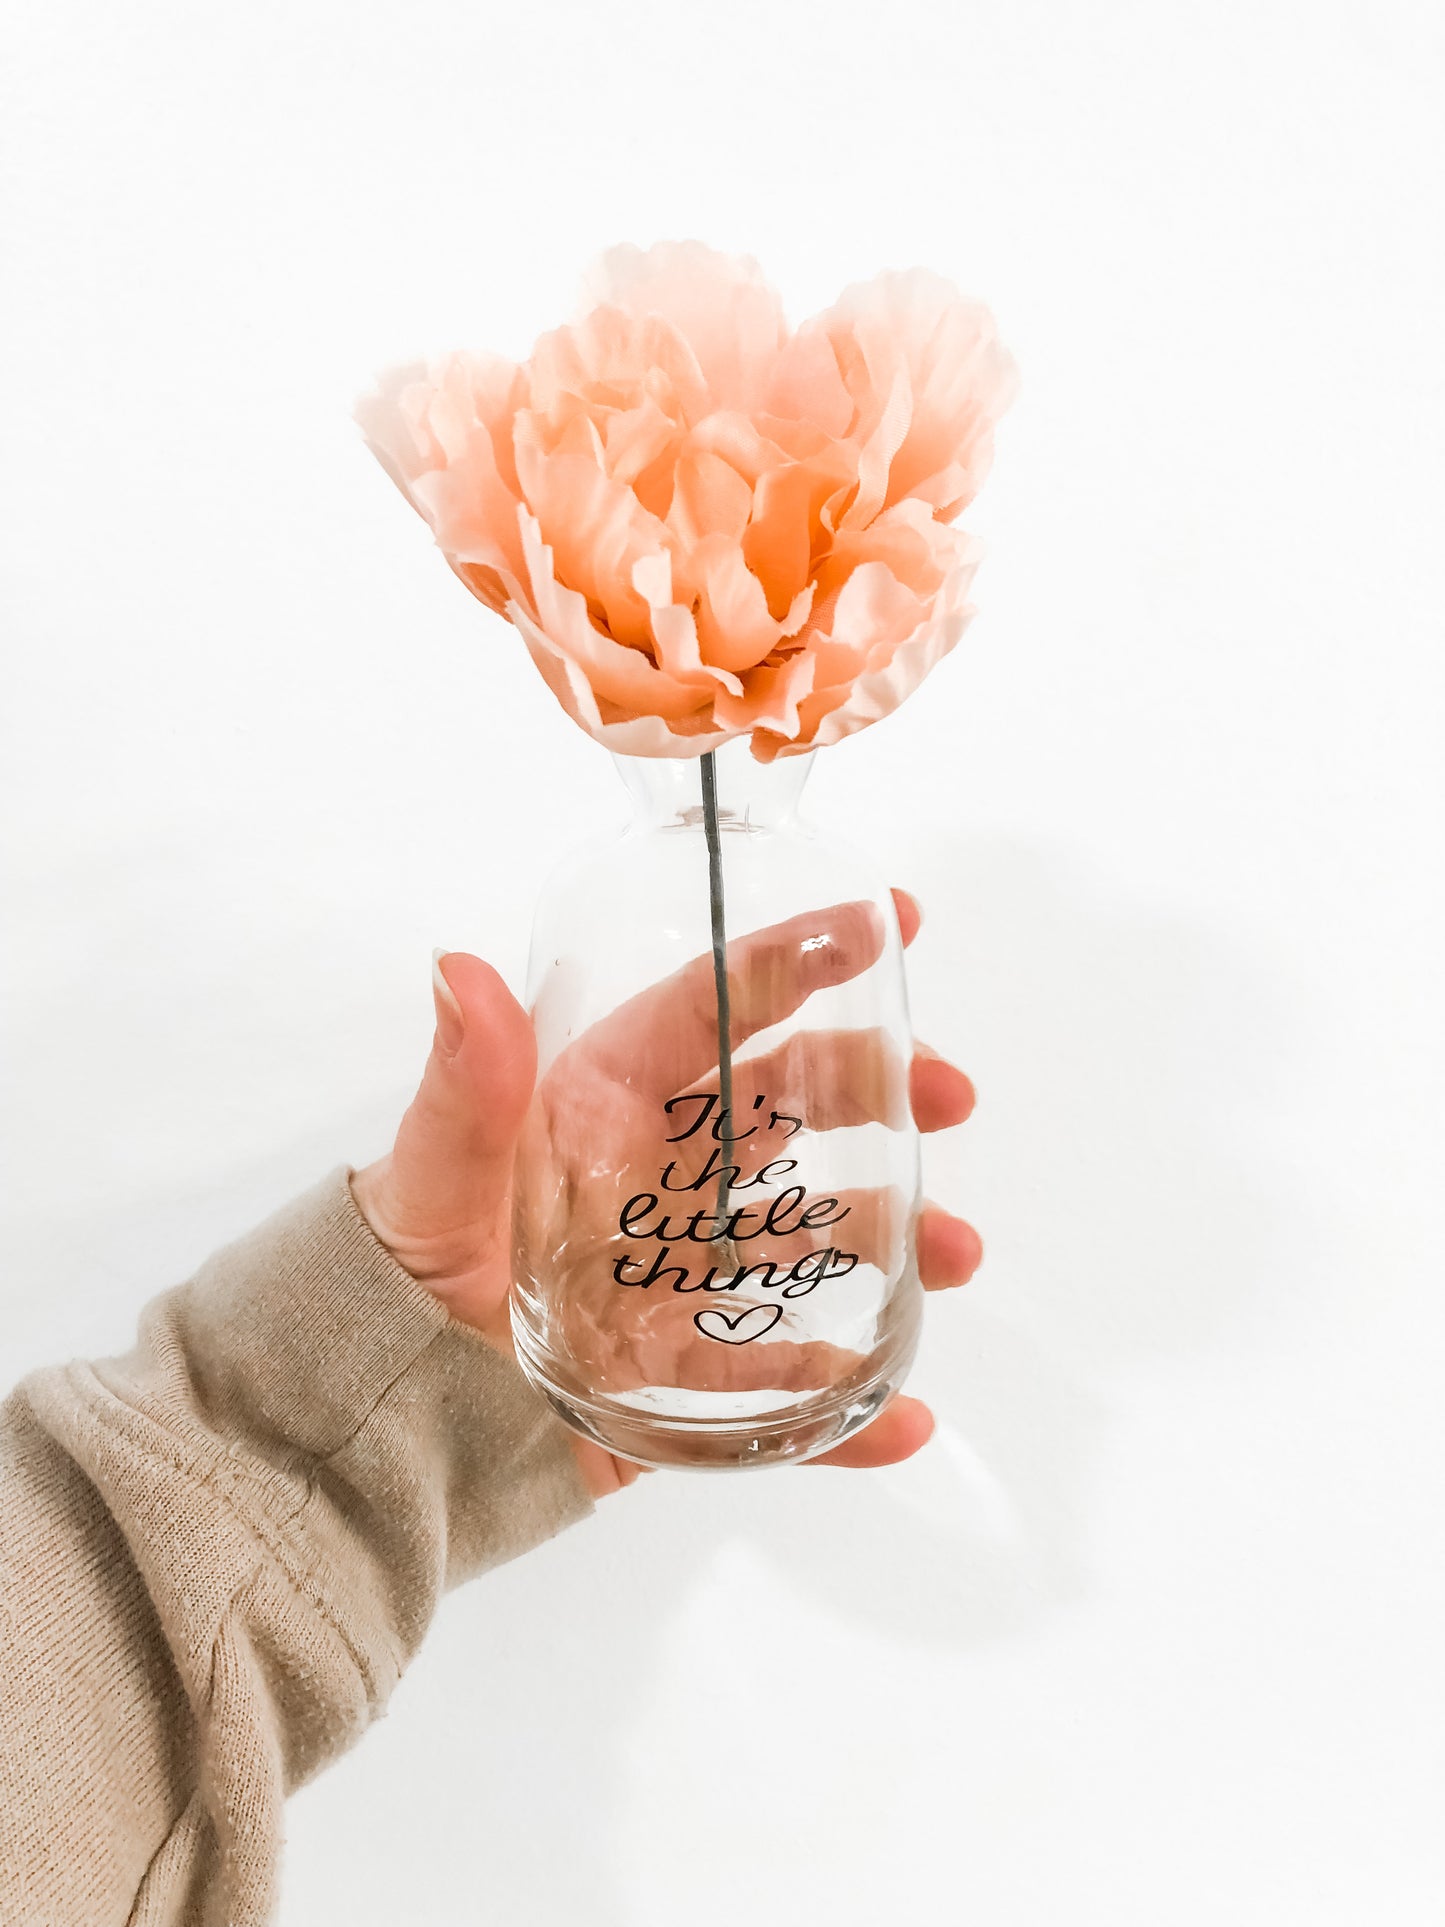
(701, 528)
(442, 433)
(596, 529)
(624, 676)
(709, 497)
(636, 440)
(785, 528)
(674, 629)
(619, 359)
(961, 379)
(617, 726)
(807, 384)
(885, 437)
(770, 698)
(860, 679)
(734, 625)
(720, 304)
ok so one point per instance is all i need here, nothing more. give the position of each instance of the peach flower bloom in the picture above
(705, 526)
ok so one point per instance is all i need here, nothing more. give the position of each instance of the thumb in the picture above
(450, 1170)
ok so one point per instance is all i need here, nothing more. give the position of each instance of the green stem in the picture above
(720, 982)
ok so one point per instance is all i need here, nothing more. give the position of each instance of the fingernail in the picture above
(910, 898)
(451, 1027)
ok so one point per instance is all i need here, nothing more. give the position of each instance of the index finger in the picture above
(665, 1037)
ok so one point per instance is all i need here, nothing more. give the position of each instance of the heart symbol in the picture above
(741, 1327)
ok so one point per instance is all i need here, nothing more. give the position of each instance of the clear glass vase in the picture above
(714, 1220)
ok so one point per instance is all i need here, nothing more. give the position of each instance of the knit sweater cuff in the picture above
(306, 1342)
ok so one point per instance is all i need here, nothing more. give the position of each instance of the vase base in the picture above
(662, 1441)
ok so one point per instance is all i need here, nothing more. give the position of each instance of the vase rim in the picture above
(750, 794)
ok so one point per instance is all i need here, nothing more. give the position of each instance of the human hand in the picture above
(441, 1199)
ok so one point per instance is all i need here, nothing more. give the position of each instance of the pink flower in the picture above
(702, 525)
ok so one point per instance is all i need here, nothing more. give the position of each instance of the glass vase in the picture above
(716, 1187)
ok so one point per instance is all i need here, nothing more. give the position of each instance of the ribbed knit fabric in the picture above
(219, 1552)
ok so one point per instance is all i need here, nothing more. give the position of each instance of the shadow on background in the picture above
(1119, 1169)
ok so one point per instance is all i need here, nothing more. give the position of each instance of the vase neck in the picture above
(666, 791)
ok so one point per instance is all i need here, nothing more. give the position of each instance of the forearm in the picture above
(221, 1551)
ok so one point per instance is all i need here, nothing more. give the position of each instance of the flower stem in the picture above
(720, 983)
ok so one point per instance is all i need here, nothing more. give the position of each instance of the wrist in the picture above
(601, 1472)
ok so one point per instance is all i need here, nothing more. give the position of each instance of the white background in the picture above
(1151, 1632)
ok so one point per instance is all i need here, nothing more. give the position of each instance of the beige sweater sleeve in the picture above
(218, 1553)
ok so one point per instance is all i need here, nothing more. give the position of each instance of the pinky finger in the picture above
(902, 1428)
